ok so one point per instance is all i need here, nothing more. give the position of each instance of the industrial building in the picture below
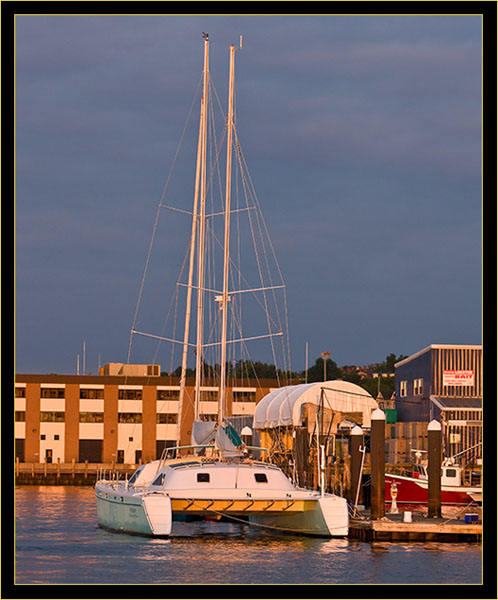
(126, 418)
(444, 382)
(113, 418)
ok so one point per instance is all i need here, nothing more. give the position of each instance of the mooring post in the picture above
(434, 469)
(356, 456)
(377, 457)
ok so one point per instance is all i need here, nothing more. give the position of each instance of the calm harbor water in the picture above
(58, 541)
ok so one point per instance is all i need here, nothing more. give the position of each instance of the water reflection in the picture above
(58, 541)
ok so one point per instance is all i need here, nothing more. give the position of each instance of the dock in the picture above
(72, 473)
(392, 528)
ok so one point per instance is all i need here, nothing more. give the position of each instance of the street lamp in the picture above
(325, 355)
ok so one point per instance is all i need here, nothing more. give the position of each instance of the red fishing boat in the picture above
(460, 485)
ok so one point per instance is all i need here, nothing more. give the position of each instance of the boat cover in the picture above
(225, 437)
(203, 432)
(282, 407)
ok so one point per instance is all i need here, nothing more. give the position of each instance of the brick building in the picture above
(113, 418)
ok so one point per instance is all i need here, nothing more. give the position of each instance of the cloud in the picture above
(362, 134)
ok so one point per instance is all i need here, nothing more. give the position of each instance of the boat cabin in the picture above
(221, 475)
(450, 474)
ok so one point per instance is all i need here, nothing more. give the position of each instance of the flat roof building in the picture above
(111, 418)
(444, 382)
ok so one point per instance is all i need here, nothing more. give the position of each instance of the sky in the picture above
(363, 139)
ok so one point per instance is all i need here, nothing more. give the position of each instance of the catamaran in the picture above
(217, 479)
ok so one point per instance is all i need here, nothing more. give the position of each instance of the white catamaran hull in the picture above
(152, 515)
(133, 513)
(163, 512)
(324, 517)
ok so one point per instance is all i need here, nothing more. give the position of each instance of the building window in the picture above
(91, 417)
(168, 394)
(52, 417)
(402, 388)
(166, 418)
(130, 394)
(52, 392)
(244, 396)
(92, 394)
(418, 387)
(209, 396)
(20, 392)
(20, 416)
(153, 370)
(129, 417)
(56, 436)
(209, 416)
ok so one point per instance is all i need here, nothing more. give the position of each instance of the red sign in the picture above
(458, 378)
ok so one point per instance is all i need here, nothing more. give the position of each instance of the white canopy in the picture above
(282, 407)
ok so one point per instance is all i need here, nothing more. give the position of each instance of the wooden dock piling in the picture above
(356, 463)
(434, 469)
(377, 449)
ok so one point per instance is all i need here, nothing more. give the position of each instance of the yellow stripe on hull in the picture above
(241, 506)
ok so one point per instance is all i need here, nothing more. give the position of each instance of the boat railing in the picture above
(111, 476)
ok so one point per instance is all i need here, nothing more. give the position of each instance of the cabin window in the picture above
(260, 477)
(159, 480)
(203, 477)
(134, 477)
(451, 473)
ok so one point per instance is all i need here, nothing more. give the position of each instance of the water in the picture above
(58, 541)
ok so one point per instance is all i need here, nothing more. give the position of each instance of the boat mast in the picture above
(202, 226)
(202, 128)
(225, 298)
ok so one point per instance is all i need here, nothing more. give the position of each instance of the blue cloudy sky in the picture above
(363, 139)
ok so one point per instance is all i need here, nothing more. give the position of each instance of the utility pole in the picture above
(325, 356)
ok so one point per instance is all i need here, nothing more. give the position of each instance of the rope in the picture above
(458, 513)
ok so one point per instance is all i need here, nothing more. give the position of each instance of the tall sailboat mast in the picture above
(202, 227)
(225, 297)
(200, 178)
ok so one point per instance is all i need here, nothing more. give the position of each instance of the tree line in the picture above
(245, 369)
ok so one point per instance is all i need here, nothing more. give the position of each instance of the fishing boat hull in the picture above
(413, 491)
